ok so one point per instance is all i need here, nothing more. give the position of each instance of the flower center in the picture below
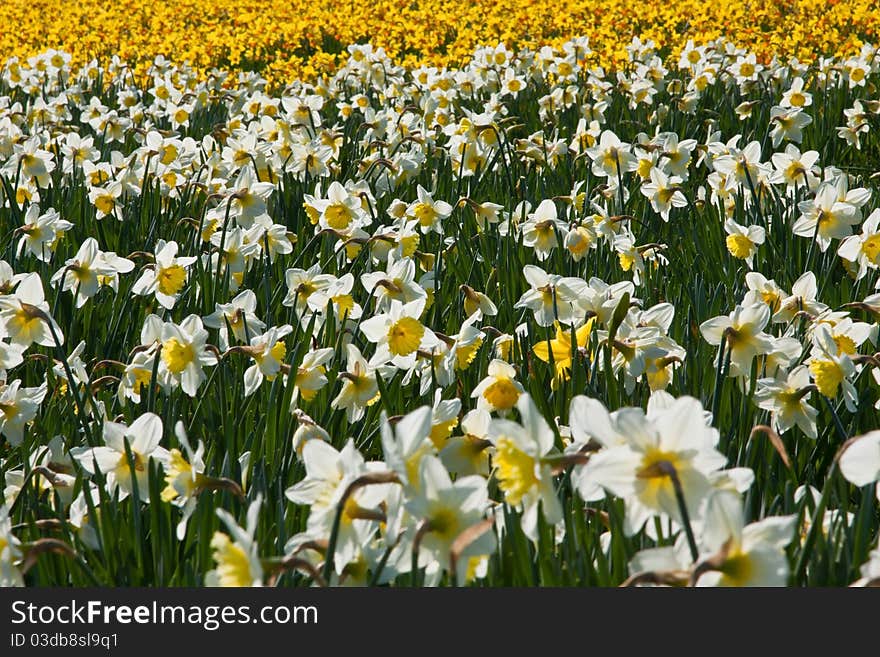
(177, 355)
(338, 216)
(502, 394)
(827, 375)
(233, 566)
(515, 470)
(405, 336)
(171, 279)
(739, 246)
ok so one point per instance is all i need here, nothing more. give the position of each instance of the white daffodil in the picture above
(826, 217)
(519, 462)
(664, 193)
(802, 299)
(743, 241)
(310, 375)
(446, 509)
(428, 212)
(551, 297)
(41, 232)
(468, 454)
(268, 351)
(10, 552)
(399, 333)
(742, 332)
(237, 558)
(111, 459)
(673, 441)
(167, 278)
(184, 475)
(499, 390)
(753, 555)
(329, 473)
(787, 401)
(88, 270)
(237, 315)
(359, 386)
(863, 249)
(831, 368)
(18, 407)
(406, 443)
(24, 315)
(184, 354)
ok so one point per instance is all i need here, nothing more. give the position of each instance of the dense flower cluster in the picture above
(430, 325)
(284, 40)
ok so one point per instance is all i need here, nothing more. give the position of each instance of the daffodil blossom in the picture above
(448, 508)
(399, 334)
(520, 465)
(236, 554)
(184, 354)
(753, 555)
(111, 459)
(167, 278)
(787, 400)
(18, 407)
(742, 332)
(85, 272)
(24, 315)
(328, 475)
(675, 439)
(268, 351)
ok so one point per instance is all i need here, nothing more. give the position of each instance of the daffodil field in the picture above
(436, 310)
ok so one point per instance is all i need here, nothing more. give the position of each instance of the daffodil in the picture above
(788, 401)
(542, 229)
(18, 407)
(88, 269)
(753, 555)
(167, 278)
(429, 212)
(41, 232)
(236, 554)
(831, 368)
(329, 473)
(674, 441)
(184, 354)
(499, 390)
(561, 349)
(398, 333)
(238, 315)
(826, 217)
(860, 460)
(743, 241)
(521, 467)
(184, 475)
(340, 209)
(742, 333)
(268, 352)
(664, 193)
(302, 284)
(863, 249)
(141, 439)
(24, 315)
(310, 375)
(467, 454)
(447, 509)
(551, 297)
